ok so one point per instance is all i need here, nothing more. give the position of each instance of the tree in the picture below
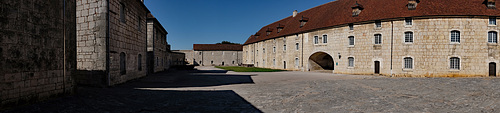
(227, 42)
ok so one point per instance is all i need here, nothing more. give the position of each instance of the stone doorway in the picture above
(493, 69)
(321, 61)
(377, 67)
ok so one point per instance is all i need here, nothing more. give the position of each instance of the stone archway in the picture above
(321, 61)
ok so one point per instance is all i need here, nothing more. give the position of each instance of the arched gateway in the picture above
(321, 61)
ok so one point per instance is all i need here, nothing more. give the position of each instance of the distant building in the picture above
(214, 54)
(111, 41)
(158, 48)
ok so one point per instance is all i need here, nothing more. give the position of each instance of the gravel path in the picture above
(213, 90)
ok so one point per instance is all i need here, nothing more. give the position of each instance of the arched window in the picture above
(454, 63)
(123, 66)
(408, 61)
(455, 36)
(139, 62)
(351, 61)
(378, 39)
(408, 37)
(492, 37)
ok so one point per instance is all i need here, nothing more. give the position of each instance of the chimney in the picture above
(294, 13)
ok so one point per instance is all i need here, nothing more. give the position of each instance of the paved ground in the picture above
(213, 90)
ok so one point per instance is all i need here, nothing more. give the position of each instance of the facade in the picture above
(214, 54)
(411, 38)
(37, 52)
(177, 59)
(158, 48)
(111, 41)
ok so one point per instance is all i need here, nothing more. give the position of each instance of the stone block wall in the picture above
(157, 47)
(37, 52)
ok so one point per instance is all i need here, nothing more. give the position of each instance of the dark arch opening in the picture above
(321, 61)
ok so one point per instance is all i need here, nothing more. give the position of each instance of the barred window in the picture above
(351, 62)
(351, 40)
(316, 39)
(378, 39)
(454, 63)
(455, 36)
(408, 61)
(409, 37)
(492, 37)
(325, 39)
(492, 21)
(408, 21)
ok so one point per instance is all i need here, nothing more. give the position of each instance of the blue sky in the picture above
(191, 22)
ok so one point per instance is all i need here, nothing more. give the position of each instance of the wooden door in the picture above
(493, 69)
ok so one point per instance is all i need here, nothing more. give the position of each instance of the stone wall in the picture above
(431, 49)
(177, 59)
(216, 58)
(37, 52)
(157, 47)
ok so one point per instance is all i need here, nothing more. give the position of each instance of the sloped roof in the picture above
(217, 47)
(340, 13)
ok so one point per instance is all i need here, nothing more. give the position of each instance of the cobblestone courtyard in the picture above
(212, 90)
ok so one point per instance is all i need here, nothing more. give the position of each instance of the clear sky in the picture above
(191, 22)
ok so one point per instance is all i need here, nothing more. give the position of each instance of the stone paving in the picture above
(213, 90)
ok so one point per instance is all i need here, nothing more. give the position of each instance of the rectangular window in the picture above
(351, 26)
(455, 36)
(492, 37)
(297, 62)
(408, 37)
(139, 21)
(274, 62)
(351, 62)
(316, 39)
(454, 63)
(263, 50)
(351, 40)
(378, 39)
(408, 21)
(296, 46)
(378, 24)
(122, 13)
(284, 47)
(325, 39)
(408, 63)
(493, 21)
(274, 49)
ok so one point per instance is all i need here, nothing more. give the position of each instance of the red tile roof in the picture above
(339, 12)
(217, 47)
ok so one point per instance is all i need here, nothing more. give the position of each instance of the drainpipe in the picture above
(302, 58)
(107, 43)
(392, 41)
(64, 46)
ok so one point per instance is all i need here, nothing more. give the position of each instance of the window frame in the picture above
(316, 39)
(352, 42)
(493, 41)
(412, 37)
(325, 38)
(454, 63)
(378, 24)
(297, 46)
(492, 21)
(454, 37)
(411, 65)
(378, 39)
(350, 64)
(351, 27)
(408, 21)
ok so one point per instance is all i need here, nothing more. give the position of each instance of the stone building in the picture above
(177, 58)
(158, 48)
(214, 54)
(417, 38)
(37, 52)
(111, 41)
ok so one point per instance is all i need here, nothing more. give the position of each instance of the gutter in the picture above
(107, 43)
(64, 46)
(392, 41)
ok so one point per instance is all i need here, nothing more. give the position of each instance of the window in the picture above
(157, 62)
(316, 39)
(378, 24)
(256, 53)
(351, 40)
(454, 63)
(274, 49)
(233, 62)
(296, 46)
(297, 62)
(351, 61)
(139, 62)
(492, 37)
(274, 62)
(211, 62)
(351, 26)
(491, 4)
(455, 36)
(378, 39)
(123, 66)
(492, 21)
(408, 61)
(325, 39)
(284, 47)
(408, 21)
(200, 53)
(408, 37)
(263, 50)
(139, 21)
(122, 13)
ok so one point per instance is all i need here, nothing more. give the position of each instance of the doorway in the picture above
(321, 61)
(377, 67)
(284, 64)
(493, 69)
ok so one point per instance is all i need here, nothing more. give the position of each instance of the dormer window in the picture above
(412, 4)
(268, 31)
(280, 27)
(256, 36)
(303, 21)
(356, 9)
(490, 4)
